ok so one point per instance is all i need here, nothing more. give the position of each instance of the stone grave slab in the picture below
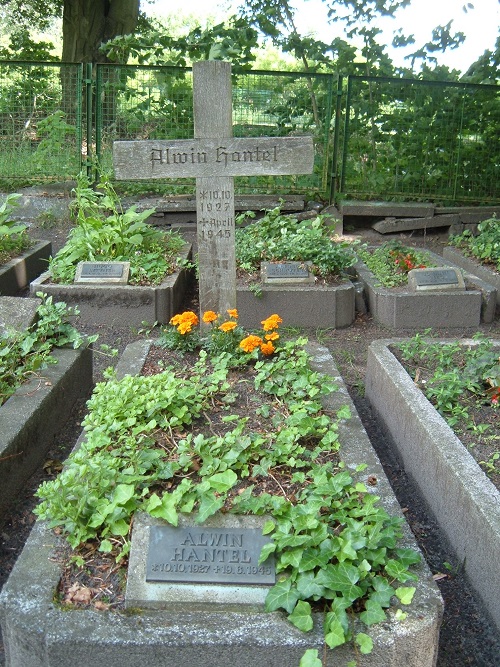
(285, 273)
(17, 313)
(435, 278)
(102, 272)
(393, 225)
(208, 565)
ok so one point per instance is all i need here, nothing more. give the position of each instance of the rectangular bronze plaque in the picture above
(286, 270)
(101, 270)
(198, 554)
(436, 277)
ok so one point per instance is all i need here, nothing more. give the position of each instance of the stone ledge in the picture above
(298, 305)
(19, 272)
(463, 500)
(38, 634)
(121, 305)
(37, 411)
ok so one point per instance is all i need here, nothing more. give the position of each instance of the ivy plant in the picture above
(147, 447)
(278, 237)
(485, 245)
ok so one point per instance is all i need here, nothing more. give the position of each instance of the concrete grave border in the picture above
(121, 305)
(402, 308)
(39, 634)
(35, 413)
(474, 267)
(20, 271)
(463, 500)
(298, 305)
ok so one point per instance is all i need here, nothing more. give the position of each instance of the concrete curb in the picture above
(19, 272)
(471, 265)
(401, 308)
(38, 634)
(463, 500)
(31, 418)
(298, 305)
(121, 305)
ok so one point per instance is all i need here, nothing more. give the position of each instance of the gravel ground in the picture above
(467, 637)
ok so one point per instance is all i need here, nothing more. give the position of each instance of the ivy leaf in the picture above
(341, 578)
(373, 613)
(301, 616)
(383, 591)
(335, 636)
(268, 527)
(123, 493)
(405, 594)
(364, 642)
(282, 595)
(209, 505)
(408, 556)
(310, 659)
(398, 571)
(266, 551)
(166, 510)
(312, 558)
(308, 587)
(223, 481)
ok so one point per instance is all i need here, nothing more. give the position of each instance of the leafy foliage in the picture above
(278, 237)
(391, 262)
(485, 245)
(144, 450)
(13, 236)
(23, 353)
(104, 232)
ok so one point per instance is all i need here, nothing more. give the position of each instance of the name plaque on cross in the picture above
(214, 157)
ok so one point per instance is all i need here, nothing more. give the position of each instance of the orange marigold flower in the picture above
(175, 320)
(184, 327)
(272, 322)
(250, 343)
(209, 316)
(228, 326)
(272, 336)
(232, 312)
(267, 348)
(186, 316)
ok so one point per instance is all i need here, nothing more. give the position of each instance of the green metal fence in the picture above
(41, 125)
(427, 140)
(156, 102)
(375, 137)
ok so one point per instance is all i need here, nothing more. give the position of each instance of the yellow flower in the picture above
(272, 322)
(186, 316)
(232, 312)
(267, 348)
(228, 326)
(250, 343)
(184, 327)
(209, 316)
(272, 336)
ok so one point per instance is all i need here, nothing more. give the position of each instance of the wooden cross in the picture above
(214, 157)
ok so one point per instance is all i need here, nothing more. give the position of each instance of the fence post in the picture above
(336, 140)
(88, 113)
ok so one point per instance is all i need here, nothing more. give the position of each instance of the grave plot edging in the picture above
(38, 634)
(121, 305)
(300, 306)
(401, 308)
(463, 500)
(34, 414)
(474, 267)
(19, 272)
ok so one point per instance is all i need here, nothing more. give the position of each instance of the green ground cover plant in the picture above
(241, 431)
(485, 245)
(277, 237)
(105, 232)
(25, 353)
(14, 239)
(391, 262)
(463, 383)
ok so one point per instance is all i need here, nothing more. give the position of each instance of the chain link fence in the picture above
(374, 137)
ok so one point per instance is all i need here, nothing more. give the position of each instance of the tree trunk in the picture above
(89, 23)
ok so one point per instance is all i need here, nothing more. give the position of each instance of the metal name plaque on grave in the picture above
(440, 277)
(100, 272)
(277, 272)
(208, 555)
(436, 278)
